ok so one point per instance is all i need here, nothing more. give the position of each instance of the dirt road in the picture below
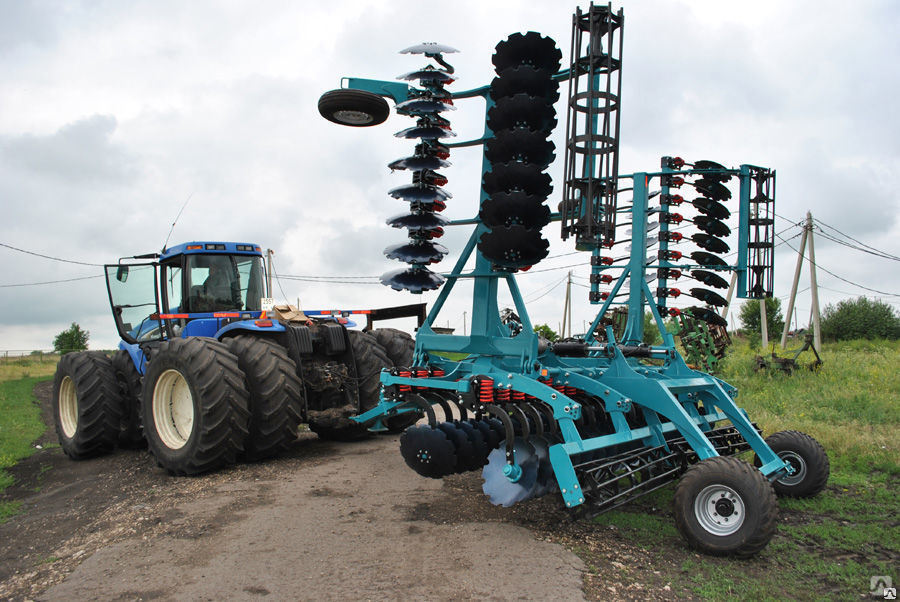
(327, 521)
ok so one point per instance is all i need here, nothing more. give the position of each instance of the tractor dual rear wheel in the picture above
(724, 506)
(87, 404)
(195, 406)
(276, 395)
(131, 435)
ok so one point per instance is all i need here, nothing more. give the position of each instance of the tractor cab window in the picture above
(132, 293)
(172, 273)
(223, 282)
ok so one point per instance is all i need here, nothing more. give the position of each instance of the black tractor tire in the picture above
(724, 506)
(131, 435)
(276, 395)
(370, 358)
(806, 456)
(398, 345)
(194, 405)
(356, 108)
(87, 404)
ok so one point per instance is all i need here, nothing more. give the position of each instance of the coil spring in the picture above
(420, 373)
(486, 390)
(570, 391)
(518, 396)
(503, 394)
(437, 372)
(403, 372)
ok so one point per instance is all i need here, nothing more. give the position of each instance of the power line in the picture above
(840, 277)
(49, 256)
(828, 236)
(49, 282)
(876, 251)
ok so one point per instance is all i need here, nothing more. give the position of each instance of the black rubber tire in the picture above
(807, 456)
(356, 108)
(755, 497)
(89, 415)
(370, 359)
(218, 400)
(131, 435)
(276, 395)
(400, 347)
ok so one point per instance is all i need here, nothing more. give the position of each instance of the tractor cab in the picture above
(192, 289)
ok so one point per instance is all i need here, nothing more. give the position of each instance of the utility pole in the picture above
(464, 323)
(814, 287)
(269, 253)
(567, 307)
(793, 297)
(763, 325)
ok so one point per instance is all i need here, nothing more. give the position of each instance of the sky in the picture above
(115, 114)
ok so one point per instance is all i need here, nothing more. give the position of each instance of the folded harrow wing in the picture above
(601, 419)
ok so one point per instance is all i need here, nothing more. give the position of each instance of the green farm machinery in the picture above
(602, 419)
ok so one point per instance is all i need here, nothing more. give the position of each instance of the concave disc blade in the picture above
(416, 252)
(428, 74)
(522, 110)
(546, 478)
(530, 48)
(709, 278)
(709, 297)
(417, 163)
(525, 78)
(419, 192)
(498, 428)
(514, 247)
(427, 451)
(712, 166)
(480, 449)
(510, 208)
(712, 189)
(507, 177)
(429, 48)
(418, 221)
(711, 225)
(711, 208)
(426, 132)
(527, 146)
(415, 106)
(465, 452)
(707, 315)
(708, 259)
(710, 243)
(491, 438)
(502, 491)
(414, 280)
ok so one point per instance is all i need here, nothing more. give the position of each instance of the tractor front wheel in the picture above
(724, 506)
(808, 459)
(194, 405)
(86, 404)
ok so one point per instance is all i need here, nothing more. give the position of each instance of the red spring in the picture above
(486, 390)
(405, 374)
(518, 396)
(420, 373)
(503, 394)
(437, 372)
(570, 391)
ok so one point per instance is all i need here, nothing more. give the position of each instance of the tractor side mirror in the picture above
(122, 273)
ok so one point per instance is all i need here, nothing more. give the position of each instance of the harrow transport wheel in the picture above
(87, 404)
(808, 459)
(194, 405)
(724, 506)
(370, 359)
(276, 395)
(131, 435)
(356, 108)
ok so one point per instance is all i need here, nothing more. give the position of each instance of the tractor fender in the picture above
(137, 355)
(251, 327)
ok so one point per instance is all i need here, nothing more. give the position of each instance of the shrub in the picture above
(860, 318)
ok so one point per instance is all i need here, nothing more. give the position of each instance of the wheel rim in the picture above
(173, 409)
(353, 117)
(799, 466)
(719, 510)
(68, 407)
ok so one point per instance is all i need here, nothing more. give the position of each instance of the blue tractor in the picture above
(210, 371)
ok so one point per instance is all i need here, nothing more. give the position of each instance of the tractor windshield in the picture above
(132, 295)
(223, 282)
